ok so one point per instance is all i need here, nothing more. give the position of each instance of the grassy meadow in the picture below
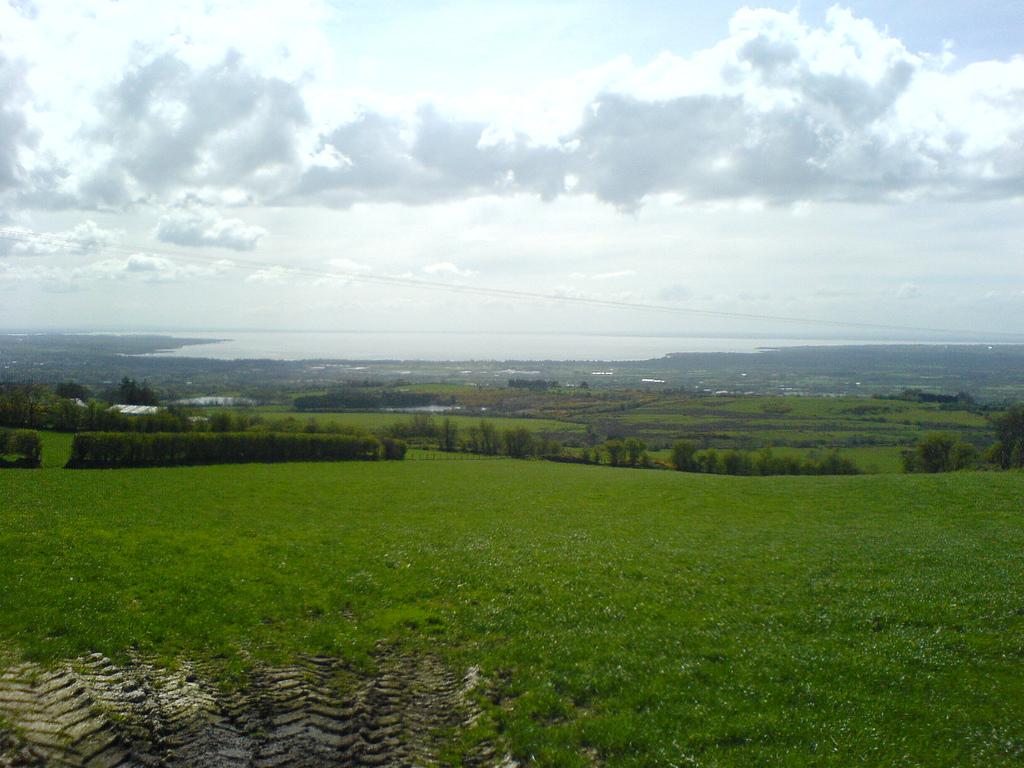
(620, 616)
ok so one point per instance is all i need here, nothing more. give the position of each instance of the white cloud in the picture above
(448, 269)
(615, 275)
(86, 237)
(148, 268)
(907, 291)
(202, 227)
(348, 265)
(137, 267)
(269, 276)
(778, 111)
(163, 118)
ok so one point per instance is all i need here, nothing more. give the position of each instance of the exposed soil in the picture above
(315, 712)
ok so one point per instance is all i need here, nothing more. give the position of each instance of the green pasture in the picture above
(376, 420)
(56, 448)
(802, 423)
(620, 617)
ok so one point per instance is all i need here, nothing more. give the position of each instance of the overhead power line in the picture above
(70, 244)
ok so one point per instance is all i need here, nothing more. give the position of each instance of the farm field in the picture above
(615, 616)
(752, 422)
(377, 421)
(871, 432)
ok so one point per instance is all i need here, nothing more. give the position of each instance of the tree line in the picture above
(482, 438)
(358, 398)
(537, 385)
(686, 458)
(109, 450)
(945, 453)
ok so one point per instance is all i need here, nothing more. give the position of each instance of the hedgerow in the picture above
(109, 450)
(24, 445)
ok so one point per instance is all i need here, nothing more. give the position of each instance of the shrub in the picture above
(24, 445)
(940, 453)
(393, 449)
(133, 449)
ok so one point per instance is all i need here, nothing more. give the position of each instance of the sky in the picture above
(658, 167)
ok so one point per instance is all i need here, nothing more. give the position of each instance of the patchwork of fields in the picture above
(871, 432)
(615, 616)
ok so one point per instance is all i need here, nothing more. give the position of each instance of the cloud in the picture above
(14, 130)
(86, 237)
(270, 276)
(169, 126)
(778, 112)
(907, 291)
(197, 228)
(148, 268)
(348, 265)
(380, 158)
(447, 268)
(789, 113)
(615, 275)
(137, 267)
(675, 292)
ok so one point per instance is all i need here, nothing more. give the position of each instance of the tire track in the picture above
(92, 713)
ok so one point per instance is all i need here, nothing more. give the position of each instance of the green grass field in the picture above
(625, 617)
(798, 422)
(871, 432)
(374, 421)
(56, 448)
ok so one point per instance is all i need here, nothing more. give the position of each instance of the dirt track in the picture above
(312, 713)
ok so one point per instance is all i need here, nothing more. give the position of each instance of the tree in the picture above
(635, 450)
(1010, 432)
(130, 392)
(72, 391)
(940, 453)
(615, 449)
(518, 442)
(736, 463)
(448, 436)
(709, 462)
(488, 438)
(683, 456)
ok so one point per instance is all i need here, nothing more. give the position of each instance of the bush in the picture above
(393, 449)
(940, 453)
(24, 445)
(131, 449)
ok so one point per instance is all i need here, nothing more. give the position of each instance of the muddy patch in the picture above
(315, 712)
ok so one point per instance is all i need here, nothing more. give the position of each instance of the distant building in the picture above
(135, 410)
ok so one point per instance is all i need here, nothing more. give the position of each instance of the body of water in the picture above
(235, 345)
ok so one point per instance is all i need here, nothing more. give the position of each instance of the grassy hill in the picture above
(619, 616)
